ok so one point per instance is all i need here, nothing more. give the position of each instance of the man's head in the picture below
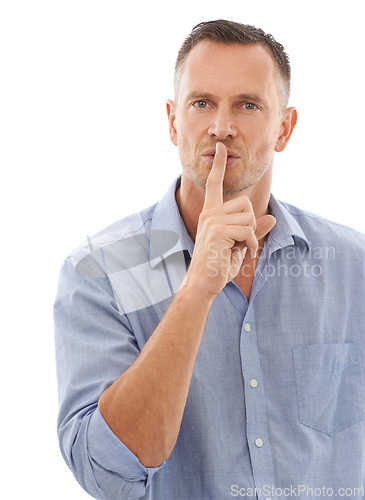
(231, 92)
(229, 32)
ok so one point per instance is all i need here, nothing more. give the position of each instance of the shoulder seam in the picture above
(324, 219)
(101, 244)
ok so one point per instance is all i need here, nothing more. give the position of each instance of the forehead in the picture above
(229, 69)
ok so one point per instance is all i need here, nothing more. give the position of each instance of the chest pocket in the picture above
(330, 380)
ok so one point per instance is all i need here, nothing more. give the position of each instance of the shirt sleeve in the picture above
(94, 346)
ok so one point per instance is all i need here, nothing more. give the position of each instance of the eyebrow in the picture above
(256, 98)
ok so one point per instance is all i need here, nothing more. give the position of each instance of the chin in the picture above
(234, 185)
(197, 174)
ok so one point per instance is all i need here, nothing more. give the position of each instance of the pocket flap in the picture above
(330, 385)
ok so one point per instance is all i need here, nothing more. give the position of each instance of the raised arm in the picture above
(145, 405)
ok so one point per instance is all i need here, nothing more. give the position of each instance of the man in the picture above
(211, 346)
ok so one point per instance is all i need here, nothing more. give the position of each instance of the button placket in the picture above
(256, 428)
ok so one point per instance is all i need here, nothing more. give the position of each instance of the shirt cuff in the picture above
(109, 452)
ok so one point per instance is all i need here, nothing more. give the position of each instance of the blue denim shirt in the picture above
(276, 404)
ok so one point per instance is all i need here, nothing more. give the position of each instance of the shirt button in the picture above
(259, 443)
(247, 327)
(253, 383)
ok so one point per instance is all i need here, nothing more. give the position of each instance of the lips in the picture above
(232, 157)
(211, 152)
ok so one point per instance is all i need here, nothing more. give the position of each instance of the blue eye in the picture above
(249, 106)
(201, 104)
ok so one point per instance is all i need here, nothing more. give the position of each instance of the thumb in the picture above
(238, 254)
(264, 225)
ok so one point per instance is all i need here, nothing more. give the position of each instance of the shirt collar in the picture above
(286, 231)
(167, 217)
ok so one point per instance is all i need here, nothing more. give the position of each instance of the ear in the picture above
(171, 115)
(288, 123)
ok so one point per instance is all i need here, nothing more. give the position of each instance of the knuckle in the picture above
(244, 198)
(218, 230)
(248, 231)
(205, 215)
(246, 203)
(251, 218)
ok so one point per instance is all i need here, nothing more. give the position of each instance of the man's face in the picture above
(227, 93)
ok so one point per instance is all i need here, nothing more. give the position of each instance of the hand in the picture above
(226, 231)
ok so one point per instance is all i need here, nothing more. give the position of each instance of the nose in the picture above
(222, 125)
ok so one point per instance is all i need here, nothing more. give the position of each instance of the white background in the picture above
(84, 141)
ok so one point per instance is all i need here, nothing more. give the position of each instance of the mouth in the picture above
(232, 157)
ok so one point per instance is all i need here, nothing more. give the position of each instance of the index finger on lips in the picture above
(214, 184)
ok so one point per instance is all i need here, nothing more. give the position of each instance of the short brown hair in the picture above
(227, 32)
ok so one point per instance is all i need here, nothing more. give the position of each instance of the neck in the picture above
(190, 199)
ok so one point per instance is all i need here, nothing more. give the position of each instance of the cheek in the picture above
(181, 131)
(184, 146)
(186, 136)
(260, 143)
(264, 136)
(192, 126)
(182, 141)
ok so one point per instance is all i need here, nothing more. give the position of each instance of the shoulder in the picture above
(130, 225)
(322, 231)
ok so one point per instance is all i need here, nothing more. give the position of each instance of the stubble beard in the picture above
(237, 178)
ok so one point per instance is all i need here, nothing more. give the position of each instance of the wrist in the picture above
(196, 291)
